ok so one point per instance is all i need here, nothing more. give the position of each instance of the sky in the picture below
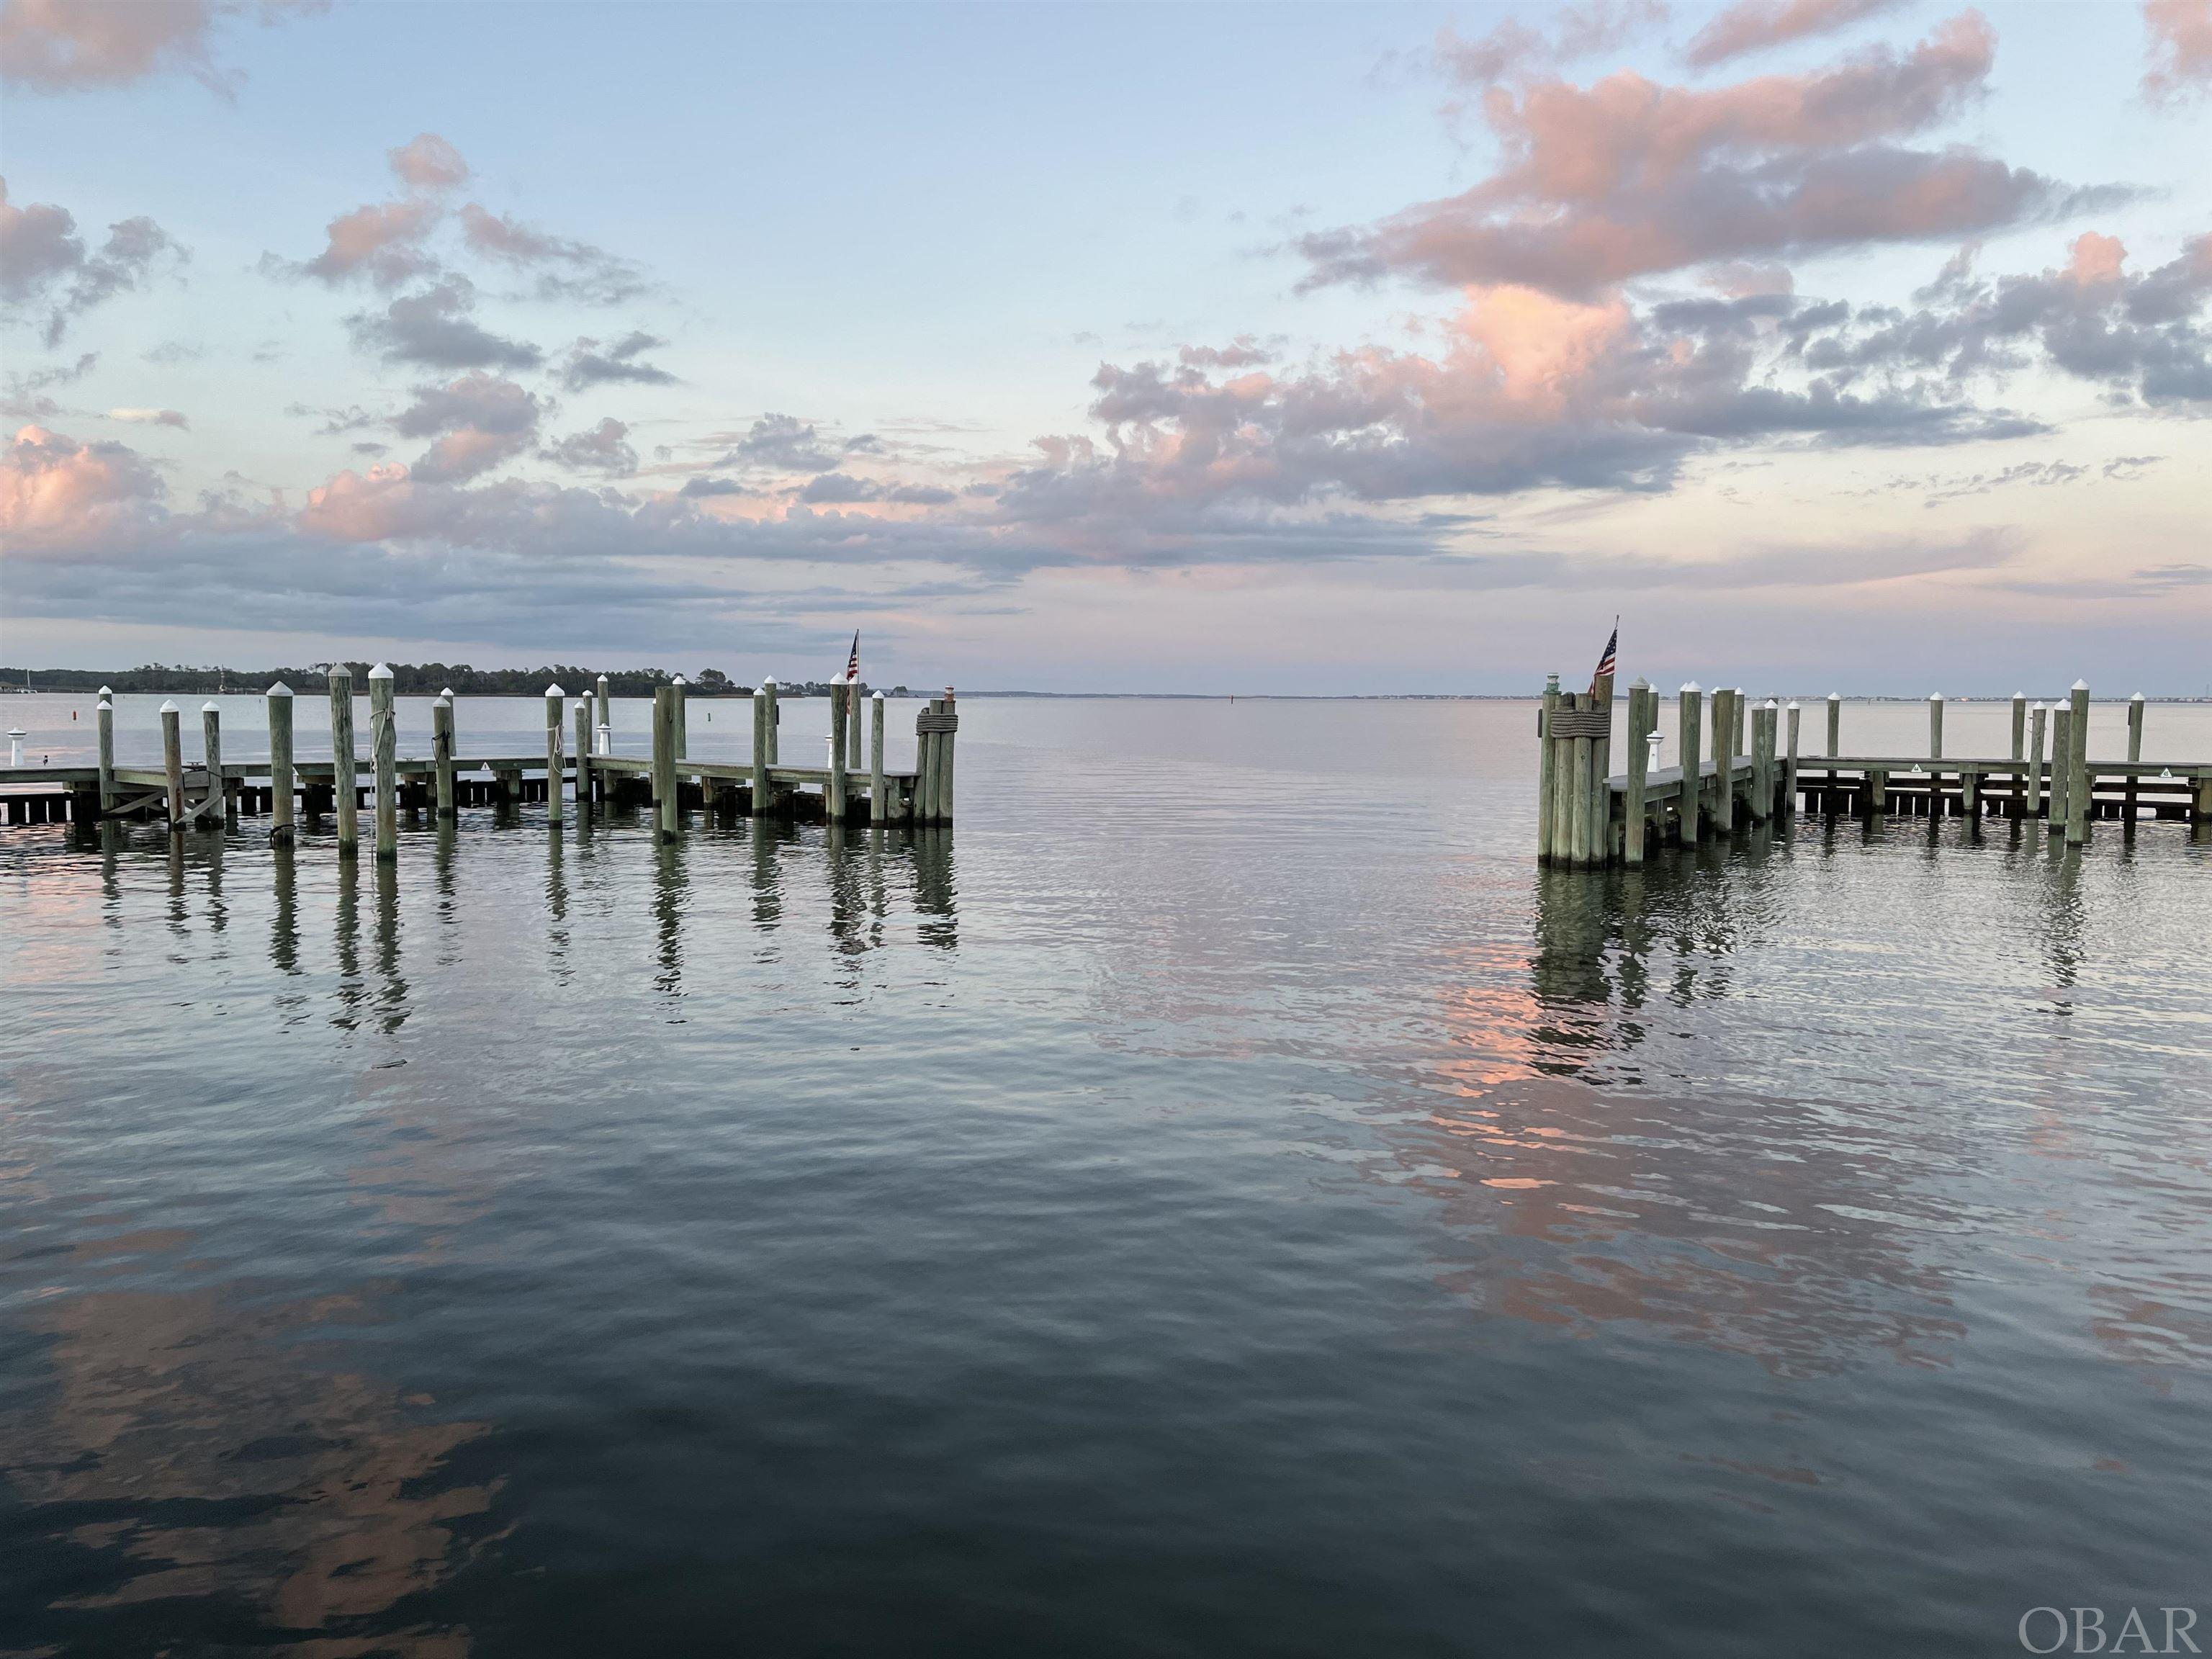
(1829, 343)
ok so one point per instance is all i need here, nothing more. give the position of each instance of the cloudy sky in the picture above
(1357, 349)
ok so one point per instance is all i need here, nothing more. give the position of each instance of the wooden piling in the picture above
(2077, 779)
(1877, 794)
(1639, 763)
(583, 723)
(683, 719)
(1598, 801)
(441, 753)
(1789, 767)
(878, 808)
(1935, 726)
(2030, 792)
(104, 717)
(2062, 766)
(2019, 722)
(557, 701)
(344, 774)
(761, 787)
(1762, 761)
(384, 759)
(1835, 724)
(2135, 753)
(281, 824)
(1725, 699)
(1546, 783)
(172, 765)
(853, 753)
(840, 693)
(950, 736)
(1690, 720)
(603, 737)
(666, 815)
(774, 721)
(217, 800)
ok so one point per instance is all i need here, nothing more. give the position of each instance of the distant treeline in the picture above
(427, 677)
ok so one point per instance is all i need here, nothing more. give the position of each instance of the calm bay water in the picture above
(1221, 1199)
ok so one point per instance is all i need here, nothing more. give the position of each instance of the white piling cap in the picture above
(603, 679)
(1935, 697)
(382, 672)
(2078, 685)
(555, 691)
(1835, 696)
(2138, 697)
(1640, 683)
(1793, 708)
(768, 682)
(1770, 703)
(1689, 688)
(447, 693)
(169, 707)
(678, 680)
(2019, 696)
(209, 707)
(279, 689)
(878, 697)
(107, 691)
(110, 707)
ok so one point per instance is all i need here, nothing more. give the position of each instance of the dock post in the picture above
(2032, 805)
(1835, 724)
(878, 808)
(2200, 809)
(1639, 763)
(2134, 752)
(1579, 850)
(583, 720)
(604, 729)
(683, 723)
(172, 765)
(1762, 761)
(2078, 776)
(1789, 767)
(1691, 717)
(1970, 799)
(841, 694)
(774, 721)
(342, 773)
(281, 820)
(104, 716)
(1544, 784)
(950, 736)
(853, 753)
(665, 801)
(1877, 794)
(2061, 768)
(441, 749)
(1599, 802)
(557, 703)
(2019, 722)
(384, 758)
(211, 750)
(1935, 754)
(760, 752)
(1724, 727)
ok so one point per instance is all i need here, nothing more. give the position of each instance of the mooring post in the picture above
(1762, 761)
(384, 758)
(774, 721)
(2019, 752)
(604, 732)
(1724, 700)
(2077, 781)
(2062, 766)
(1790, 771)
(925, 748)
(1577, 759)
(853, 753)
(2032, 805)
(556, 759)
(1639, 763)
(1544, 784)
(211, 751)
(878, 808)
(682, 721)
(441, 749)
(172, 765)
(282, 823)
(1835, 724)
(342, 773)
(104, 717)
(2134, 752)
(1935, 726)
(760, 750)
(583, 723)
(841, 691)
(952, 736)
(1599, 802)
(664, 803)
(1690, 720)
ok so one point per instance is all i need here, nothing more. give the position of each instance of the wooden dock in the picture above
(1741, 768)
(584, 775)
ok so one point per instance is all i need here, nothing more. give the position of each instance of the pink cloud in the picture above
(428, 162)
(2180, 47)
(56, 46)
(2096, 258)
(1758, 25)
(384, 240)
(57, 495)
(1627, 178)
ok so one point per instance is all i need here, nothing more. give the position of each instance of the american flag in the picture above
(853, 664)
(1609, 660)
